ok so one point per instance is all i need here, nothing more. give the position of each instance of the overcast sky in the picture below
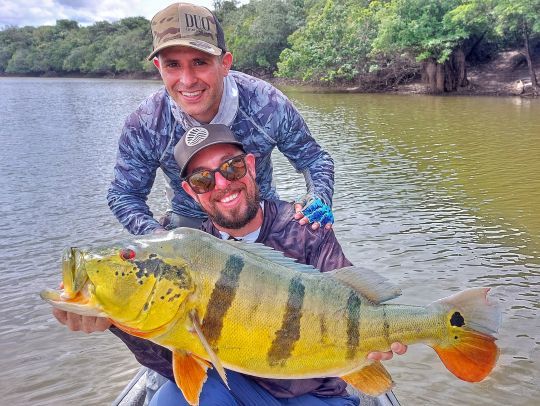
(86, 12)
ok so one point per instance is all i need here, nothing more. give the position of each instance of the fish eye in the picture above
(127, 254)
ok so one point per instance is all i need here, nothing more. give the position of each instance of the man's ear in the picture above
(156, 63)
(250, 163)
(226, 62)
(188, 190)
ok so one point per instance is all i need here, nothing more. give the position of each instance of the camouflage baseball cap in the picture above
(185, 24)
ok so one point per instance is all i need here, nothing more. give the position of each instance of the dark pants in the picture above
(172, 220)
(243, 392)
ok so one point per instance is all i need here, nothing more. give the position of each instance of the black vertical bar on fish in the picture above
(386, 326)
(221, 299)
(353, 324)
(289, 333)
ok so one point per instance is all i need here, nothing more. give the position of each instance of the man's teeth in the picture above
(229, 198)
(191, 94)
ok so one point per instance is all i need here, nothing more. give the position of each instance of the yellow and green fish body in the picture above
(247, 308)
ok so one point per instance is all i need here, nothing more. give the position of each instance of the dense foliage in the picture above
(324, 41)
(103, 48)
(334, 44)
(257, 32)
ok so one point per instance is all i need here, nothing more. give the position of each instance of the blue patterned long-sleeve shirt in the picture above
(265, 119)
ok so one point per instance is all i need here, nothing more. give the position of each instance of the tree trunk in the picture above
(446, 77)
(532, 73)
(449, 70)
(461, 68)
(455, 71)
(429, 72)
(441, 76)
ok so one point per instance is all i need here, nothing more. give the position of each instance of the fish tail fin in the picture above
(469, 350)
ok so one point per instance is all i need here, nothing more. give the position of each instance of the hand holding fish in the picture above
(75, 322)
(397, 348)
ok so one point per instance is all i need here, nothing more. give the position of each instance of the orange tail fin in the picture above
(471, 358)
(469, 351)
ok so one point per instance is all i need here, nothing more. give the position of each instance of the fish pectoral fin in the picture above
(211, 353)
(373, 379)
(189, 374)
(147, 334)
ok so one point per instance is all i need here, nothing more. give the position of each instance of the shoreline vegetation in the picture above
(456, 47)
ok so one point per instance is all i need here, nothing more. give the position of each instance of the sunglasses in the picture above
(204, 180)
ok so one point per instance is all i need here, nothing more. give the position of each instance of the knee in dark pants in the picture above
(172, 220)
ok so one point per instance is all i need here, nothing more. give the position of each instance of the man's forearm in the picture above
(147, 353)
(132, 212)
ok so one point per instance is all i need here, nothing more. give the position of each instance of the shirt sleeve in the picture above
(329, 255)
(295, 141)
(134, 175)
(318, 248)
(147, 353)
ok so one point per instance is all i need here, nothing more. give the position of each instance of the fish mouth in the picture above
(74, 274)
(78, 304)
(75, 296)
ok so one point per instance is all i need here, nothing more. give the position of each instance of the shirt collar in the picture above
(251, 237)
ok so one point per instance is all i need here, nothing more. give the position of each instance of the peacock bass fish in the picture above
(248, 308)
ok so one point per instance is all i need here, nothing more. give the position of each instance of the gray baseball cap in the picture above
(198, 138)
(185, 24)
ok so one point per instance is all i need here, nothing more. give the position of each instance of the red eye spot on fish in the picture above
(127, 254)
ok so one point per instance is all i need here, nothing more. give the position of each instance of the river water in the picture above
(436, 193)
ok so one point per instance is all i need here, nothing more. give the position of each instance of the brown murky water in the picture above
(438, 194)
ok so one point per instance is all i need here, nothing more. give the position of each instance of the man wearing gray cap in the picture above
(190, 53)
(219, 174)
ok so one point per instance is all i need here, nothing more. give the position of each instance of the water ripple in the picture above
(438, 194)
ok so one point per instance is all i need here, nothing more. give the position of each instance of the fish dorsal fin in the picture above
(271, 254)
(371, 285)
(213, 356)
(373, 379)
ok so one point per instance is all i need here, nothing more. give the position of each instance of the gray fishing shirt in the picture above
(265, 119)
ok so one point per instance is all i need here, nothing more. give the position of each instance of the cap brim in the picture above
(191, 43)
(193, 153)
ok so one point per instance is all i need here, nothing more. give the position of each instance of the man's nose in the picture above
(188, 77)
(221, 182)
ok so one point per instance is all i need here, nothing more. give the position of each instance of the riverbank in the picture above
(506, 75)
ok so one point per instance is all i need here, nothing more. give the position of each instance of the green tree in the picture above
(334, 43)
(128, 52)
(257, 32)
(426, 30)
(11, 40)
(20, 62)
(224, 8)
(521, 17)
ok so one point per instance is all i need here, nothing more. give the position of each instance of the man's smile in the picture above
(229, 198)
(191, 94)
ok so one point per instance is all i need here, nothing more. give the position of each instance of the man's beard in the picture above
(235, 220)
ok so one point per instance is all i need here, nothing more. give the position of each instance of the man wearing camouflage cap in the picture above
(190, 53)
